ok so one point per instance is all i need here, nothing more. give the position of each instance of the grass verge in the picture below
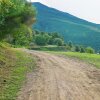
(50, 48)
(14, 65)
(90, 58)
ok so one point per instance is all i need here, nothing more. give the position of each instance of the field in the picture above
(90, 58)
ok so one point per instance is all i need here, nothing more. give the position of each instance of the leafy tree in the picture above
(10, 9)
(90, 50)
(22, 36)
(77, 48)
(28, 14)
(82, 49)
(13, 13)
(70, 44)
(44, 38)
(55, 35)
(41, 39)
(51, 40)
(58, 42)
(68, 48)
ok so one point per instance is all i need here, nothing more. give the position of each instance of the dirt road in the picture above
(59, 78)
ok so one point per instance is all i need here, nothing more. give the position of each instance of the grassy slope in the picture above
(14, 65)
(90, 58)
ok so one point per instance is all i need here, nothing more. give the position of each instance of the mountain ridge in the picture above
(41, 4)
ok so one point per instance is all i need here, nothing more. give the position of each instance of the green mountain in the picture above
(70, 27)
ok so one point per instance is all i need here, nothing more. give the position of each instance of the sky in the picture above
(85, 9)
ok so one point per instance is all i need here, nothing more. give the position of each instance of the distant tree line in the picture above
(44, 38)
(80, 48)
(53, 38)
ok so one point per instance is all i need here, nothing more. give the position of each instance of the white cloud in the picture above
(86, 9)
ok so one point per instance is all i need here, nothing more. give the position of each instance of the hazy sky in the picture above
(86, 9)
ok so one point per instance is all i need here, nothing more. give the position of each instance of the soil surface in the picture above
(60, 78)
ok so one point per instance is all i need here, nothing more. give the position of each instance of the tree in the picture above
(90, 50)
(55, 35)
(10, 9)
(41, 39)
(28, 14)
(58, 42)
(77, 48)
(22, 36)
(82, 49)
(70, 44)
(51, 40)
(13, 13)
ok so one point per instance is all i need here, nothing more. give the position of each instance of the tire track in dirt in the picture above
(60, 78)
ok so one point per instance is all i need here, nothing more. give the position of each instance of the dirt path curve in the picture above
(59, 78)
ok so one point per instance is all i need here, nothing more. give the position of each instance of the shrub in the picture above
(82, 50)
(90, 50)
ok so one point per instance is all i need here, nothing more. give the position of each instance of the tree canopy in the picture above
(14, 13)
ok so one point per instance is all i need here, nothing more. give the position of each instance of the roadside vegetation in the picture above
(93, 59)
(16, 19)
(14, 65)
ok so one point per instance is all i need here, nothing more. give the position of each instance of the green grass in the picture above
(50, 48)
(15, 65)
(90, 58)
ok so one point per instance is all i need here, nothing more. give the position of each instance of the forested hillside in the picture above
(70, 27)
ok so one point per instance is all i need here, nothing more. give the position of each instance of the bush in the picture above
(82, 50)
(90, 50)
